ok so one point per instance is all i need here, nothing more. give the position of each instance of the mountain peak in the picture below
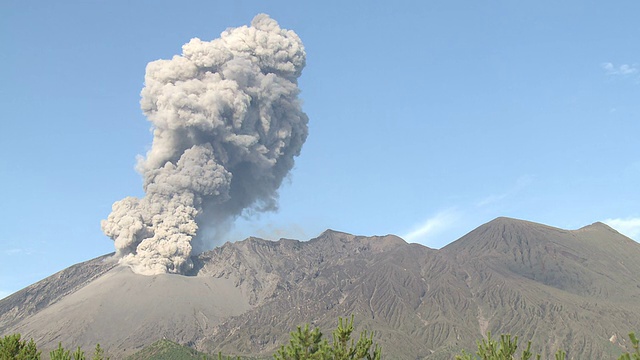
(335, 233)
(503, 220)
(598, 225)
(502, 234)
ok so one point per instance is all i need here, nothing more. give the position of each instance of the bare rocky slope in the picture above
(574, 290)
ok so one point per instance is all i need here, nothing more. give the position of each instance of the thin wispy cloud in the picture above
(623, 69)
(521, 183)
(492, 199)
(13, 251)
(628, 226)
(424, 232)
(18, 251)
(4, 294)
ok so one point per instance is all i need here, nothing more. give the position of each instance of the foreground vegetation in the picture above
(308, 344)
(304, 344)
(507, 349)
(13, 347)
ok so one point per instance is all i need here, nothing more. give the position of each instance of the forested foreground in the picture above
(304, 344)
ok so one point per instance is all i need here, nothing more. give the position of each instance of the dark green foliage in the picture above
(506, 349)
(78, 354)
(12, 347)
(221, 357)
(98, 353)
(344, 347)
(560, 354)
(60, 353)
(306, 344)
(167, 350)
(303, 344)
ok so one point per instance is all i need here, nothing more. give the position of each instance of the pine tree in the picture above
(306, 344)
(506, 349)
(12, 347)
(78, 354)
(98, 353)
(60, 353)
(344, 347)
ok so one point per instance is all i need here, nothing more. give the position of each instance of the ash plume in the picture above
(227, 124)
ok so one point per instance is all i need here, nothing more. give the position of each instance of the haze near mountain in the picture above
(577, 290)
(227, 124)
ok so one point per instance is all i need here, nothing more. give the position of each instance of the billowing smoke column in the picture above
(227, 125)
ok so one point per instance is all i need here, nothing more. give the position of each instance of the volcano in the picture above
(577, 290)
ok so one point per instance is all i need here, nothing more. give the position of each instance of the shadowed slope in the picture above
(383, 281)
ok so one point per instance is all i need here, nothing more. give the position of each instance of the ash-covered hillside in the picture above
(563, 289)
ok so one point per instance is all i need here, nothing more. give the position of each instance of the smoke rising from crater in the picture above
(227, 124)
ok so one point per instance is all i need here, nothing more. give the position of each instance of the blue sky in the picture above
(427, 119)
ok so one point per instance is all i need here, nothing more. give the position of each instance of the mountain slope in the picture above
(42, 294)
(564, 289)
(567, 260)
(129, 310)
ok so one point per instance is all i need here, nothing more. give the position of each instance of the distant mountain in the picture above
(577, 290)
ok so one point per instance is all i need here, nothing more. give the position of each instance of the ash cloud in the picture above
(227, 124)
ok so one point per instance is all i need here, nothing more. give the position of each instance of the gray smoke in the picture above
(227, 124)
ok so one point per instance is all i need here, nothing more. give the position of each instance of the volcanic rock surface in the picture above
(574, 290)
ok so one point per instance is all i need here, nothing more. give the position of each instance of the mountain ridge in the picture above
(561, 288)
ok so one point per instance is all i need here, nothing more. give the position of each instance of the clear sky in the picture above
(427, 118)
